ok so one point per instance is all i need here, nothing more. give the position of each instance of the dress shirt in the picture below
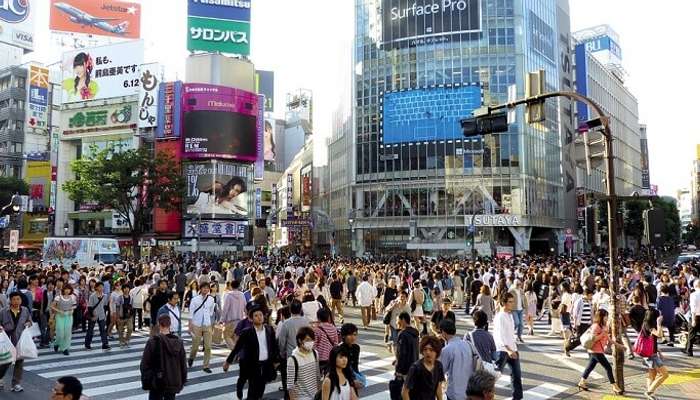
(175, 317)
(203, 316)
(234, 307)
(695, 303)
(365, 294)
(456, 359)
(262, 343)
(504, 331)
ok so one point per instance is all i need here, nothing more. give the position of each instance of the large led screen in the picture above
(427, 114)
(220, 134)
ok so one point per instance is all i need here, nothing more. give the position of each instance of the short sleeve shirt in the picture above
(423, 384)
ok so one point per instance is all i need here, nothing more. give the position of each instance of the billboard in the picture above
(148, 95)
(259, 140)
(38, 97)
(218, 189)
(169, 110)
(265, 85)
(224, 229)
(581, 81)
(269, 140)
(219, 122)
(167, 221)
(235, 10)
(17, 23)
(116, 18)
(218, 35)
(427, 113)
(409, 24)
(102, 120)
(102, 72)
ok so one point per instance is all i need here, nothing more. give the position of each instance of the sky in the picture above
(308, 43)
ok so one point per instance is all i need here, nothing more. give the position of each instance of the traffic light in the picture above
(534, 86)
(654, 226)
(590, 145)
(484, 124)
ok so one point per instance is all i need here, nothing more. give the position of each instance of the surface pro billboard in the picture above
(220, 122)
(407, 23)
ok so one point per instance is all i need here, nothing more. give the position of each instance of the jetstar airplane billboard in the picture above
(116, 18)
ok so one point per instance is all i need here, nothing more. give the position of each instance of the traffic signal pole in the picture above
(614, 267)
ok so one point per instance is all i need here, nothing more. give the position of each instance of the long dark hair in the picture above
(333, 371)
(84, 60)
(650, 318)
(236, 180)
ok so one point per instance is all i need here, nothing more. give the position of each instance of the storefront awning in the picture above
(90, 216)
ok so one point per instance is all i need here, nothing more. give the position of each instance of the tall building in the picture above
(695, 188)
(644, 164)
(13, 97)
(419, 185)
(685, 207)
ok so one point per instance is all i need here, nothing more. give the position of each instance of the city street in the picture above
(547, 374)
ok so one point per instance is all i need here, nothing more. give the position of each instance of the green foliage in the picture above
(672, 220)
(131, 182)
(10, 185)
(691, 234)
(633, 219)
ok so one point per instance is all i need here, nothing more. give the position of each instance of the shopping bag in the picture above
(8, 353)
(34, 330)
(588, 339)
(217, 336)
(26, 349)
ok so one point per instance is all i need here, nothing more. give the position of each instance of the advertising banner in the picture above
(116, 18)
(38, 97)
(218, 35)
(148, 96)
(220, 122)
(236, 10)
(290, 193)
(169, 110)
(269, 140)
(103, 120)
(306, 193)
(17, 22)
(258, 203)
(218, 189)
(409, 24)
(216, 229)
(102, 72)
(265, 84)
(14, 240)
(260, 151)
(273, 205)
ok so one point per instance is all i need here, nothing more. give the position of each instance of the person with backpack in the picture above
(596, 350)
(339, 382)
(303, 372)
(163, 368)
(457, 361)
(648, 348)
(172, 309)
(201, 325)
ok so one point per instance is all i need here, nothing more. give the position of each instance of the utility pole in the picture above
(492, 119)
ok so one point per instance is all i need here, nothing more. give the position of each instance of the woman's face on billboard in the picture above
(234, 192)
(79, 71)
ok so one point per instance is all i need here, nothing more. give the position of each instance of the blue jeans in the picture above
(516, 374)
(518, 319)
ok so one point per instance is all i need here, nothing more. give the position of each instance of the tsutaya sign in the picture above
(493, 220)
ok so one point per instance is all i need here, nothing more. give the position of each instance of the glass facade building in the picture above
(422, 65)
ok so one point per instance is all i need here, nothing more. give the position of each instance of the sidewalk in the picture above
(681, 384)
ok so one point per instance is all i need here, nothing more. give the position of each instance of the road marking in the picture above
(568, 363)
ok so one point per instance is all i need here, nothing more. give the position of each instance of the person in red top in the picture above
(326, 337)
(597, 352)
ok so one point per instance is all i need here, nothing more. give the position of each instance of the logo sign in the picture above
(493, 220)
(410, 24)
(169, 110)
(4, 222)
(115, 18)
(17, 26)
(236, 10)
(38, 97)
(14, 240)
(218, 35)
(102, 72)
(148, 96)
(99, 120)
(265, 84)
(216, 229)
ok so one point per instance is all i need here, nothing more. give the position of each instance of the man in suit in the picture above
(259, 357)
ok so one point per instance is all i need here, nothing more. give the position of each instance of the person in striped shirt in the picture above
(582, 315)
(303, 373)
(326, 337)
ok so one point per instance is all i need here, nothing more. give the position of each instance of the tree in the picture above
(10, 185)
(130, 182)
(692, 234)
(672, 220)
(634, 219)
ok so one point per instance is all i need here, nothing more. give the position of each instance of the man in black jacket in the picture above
(160, 297)
(163, 365)
(406, 345)
(257, 364)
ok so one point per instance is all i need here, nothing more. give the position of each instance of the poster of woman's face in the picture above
(269, 140)
(217, 189)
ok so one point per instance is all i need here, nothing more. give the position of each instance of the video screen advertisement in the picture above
(218, 189)
(219, 122)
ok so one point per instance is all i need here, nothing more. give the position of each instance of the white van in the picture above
(85, 251)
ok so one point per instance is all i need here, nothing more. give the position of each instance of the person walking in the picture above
(257, 362)
(201, 325)
(303, 373)
(406, 346)
(326, 338)
(582, 314)
(506, 347)
(156, 301)
(96, 314)
(336, 291)
(13, 320)
(138, 295)
(351, 283)
(426, 377)
(520, 307)
(287, 336)
(339, 382)
(232, 313)
(596, 354)
(67, 388)
(481, 386)
(125, 317)
(480, 337)
(656, 371)
(484, 302)
(163, 369)
(365, 294)
(530, 308)
(63, 306)
(694, 302)
(172, 309)
(667, 309)
(456, 359)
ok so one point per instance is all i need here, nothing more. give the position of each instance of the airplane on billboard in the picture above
(79, 16)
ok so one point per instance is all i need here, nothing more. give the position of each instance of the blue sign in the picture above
(428, 114)
(169, 110)
(38, 95)
(4, 222)
(603, 43)
(232, 10)
(14, 11)
(581, 81)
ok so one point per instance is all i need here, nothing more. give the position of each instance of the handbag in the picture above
(478, 363)
(588, 339)
(395, 388)
(217, 336)
(360, 377)
(644, 346)
(8, 353)
(387, 318)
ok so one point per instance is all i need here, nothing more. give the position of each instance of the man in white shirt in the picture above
(172, 310)
(201, 325)
(694, 318)
(365, 294)
(506, 347)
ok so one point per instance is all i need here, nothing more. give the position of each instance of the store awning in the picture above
(90, 216)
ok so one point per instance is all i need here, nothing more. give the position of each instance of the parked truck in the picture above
(82, 250)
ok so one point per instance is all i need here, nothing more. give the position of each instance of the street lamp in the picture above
(65, 229)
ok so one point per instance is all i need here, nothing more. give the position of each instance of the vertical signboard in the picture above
(306, 193)
(581, 81)
(644, 164)
(260, 160)
(258, 203)
(148, 96)
(265, 84)
(273, 207)
(290, 194)
(169, 110)
(38, 97)
(14, 240)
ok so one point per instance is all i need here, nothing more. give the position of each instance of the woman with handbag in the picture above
(648, 348)
(484, 302)
(596, 350)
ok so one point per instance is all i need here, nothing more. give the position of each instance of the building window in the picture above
(21, 82)
(16, 147)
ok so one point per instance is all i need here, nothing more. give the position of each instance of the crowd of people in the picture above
(286, 316)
